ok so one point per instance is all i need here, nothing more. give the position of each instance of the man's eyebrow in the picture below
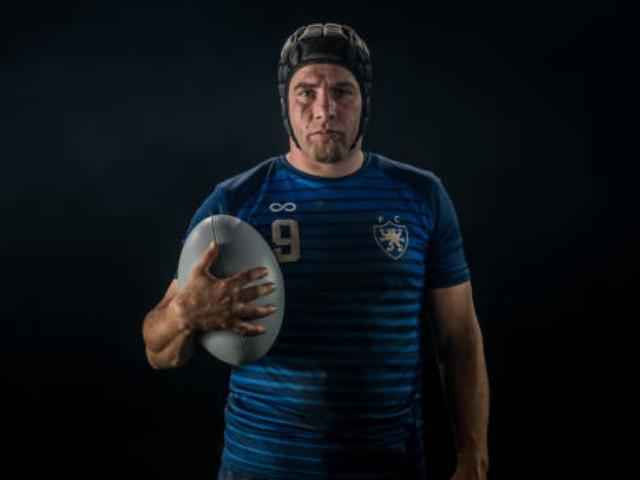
(344, 83)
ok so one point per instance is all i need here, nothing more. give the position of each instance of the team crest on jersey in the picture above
(392, 237)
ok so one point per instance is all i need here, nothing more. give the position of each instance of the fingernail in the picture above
(213, 242)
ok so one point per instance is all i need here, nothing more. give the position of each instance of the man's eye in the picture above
(342, 92)
(339, 92)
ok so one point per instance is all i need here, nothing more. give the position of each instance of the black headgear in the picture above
(328, 43)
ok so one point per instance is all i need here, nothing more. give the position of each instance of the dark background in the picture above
(117, 120)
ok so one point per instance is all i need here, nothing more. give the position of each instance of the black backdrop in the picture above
(117, 120)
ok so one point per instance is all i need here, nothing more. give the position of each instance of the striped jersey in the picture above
(338, 395)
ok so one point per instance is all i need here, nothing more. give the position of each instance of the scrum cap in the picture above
(326, 43)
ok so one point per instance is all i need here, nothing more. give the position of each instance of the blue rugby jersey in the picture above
(338, 394)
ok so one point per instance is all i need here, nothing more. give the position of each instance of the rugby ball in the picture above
(241, 247)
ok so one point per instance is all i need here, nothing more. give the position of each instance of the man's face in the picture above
(324, 97)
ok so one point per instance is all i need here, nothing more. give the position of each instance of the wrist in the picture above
(180, 315)
(476, 463)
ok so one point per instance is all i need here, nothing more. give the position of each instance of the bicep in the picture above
(451, 313)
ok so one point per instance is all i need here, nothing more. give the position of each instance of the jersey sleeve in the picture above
(446, 265)
(213, 205)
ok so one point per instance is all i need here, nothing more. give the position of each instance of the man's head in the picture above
(334, 60)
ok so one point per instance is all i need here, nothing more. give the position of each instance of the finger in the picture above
(248, 276)
(255, 311)
(251, 293)
(248, 329)
(207, 258)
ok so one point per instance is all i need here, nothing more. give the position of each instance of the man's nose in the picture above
(325, 106)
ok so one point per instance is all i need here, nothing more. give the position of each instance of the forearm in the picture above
(467, 391)
(169, 341)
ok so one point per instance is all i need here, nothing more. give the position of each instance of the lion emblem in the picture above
(392, 238)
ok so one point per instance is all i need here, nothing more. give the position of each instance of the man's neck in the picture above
(346, 166)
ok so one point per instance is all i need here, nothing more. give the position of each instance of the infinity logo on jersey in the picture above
(392, 237)
(278, 207)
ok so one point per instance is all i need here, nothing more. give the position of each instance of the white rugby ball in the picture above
(241, 247)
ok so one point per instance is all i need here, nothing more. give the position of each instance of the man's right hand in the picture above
(209, 304)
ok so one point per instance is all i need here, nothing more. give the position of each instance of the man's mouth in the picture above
(327, 134)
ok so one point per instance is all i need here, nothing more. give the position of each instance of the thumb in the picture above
(207, 258)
